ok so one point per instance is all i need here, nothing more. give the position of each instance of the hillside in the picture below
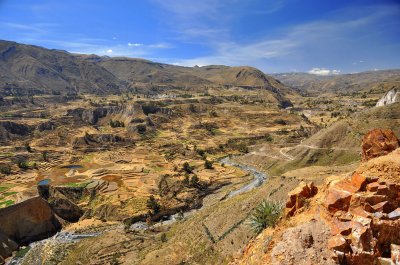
(32, 70)
(371, 82)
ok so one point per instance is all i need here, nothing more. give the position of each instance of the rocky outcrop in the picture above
(63, 200)
(25, 222)
(378, 142)
(390, 97)
(11, 130)
(298, 196)
(364, 218)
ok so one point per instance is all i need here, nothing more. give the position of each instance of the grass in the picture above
(76, 184)
(6, 203)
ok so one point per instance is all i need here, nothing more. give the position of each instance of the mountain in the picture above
(371, 81)
(27, 70)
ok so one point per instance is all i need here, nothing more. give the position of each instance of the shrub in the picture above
(5, 169)
(163, 238)
(266, 214)
(280, 121)
(116, 123)
(194, 181)
(28, 147)
(23, 165)
(141, 128)
(152, 204)
(187, 168)
(208, 164)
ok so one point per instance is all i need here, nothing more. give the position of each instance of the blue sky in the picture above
(321, 37)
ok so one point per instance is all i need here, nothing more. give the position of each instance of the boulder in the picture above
(298, 196)
(25, 222)
(378, 142)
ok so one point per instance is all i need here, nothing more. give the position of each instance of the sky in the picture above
(315, 36)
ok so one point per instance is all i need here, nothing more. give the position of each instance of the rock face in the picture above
(298, 196)
(390, 97)
(26, 222)
(62, 201)
(364, 220)
(378, 142)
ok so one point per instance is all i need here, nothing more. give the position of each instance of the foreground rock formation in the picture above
(351, 219)
(24, 223)
(378, 142)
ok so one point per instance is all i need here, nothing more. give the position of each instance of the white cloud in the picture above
(135, 44)
(323, 71)
(109, 51)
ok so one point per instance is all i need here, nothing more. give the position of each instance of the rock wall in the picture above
(390, 97)
(25, 222)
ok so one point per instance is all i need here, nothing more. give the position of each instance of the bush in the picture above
(163, 238)
(141, 128)
(266, 214)
(280, 121)
(23, 165)
(187, 168)
(194, 181)
(115, 124)
(28, 147)
(5, 169)
(152, 204)
(208, 164)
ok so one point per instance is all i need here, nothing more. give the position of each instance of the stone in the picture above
(372, 186)
(28, 221)
(378, 142)
(385, 261)
(384, 207)
(337, 199)
(358, 181)
(338, 243)
(395, 253)
(394, 215)
(298, 196)
(337, 227)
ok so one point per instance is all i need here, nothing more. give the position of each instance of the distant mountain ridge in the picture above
(27, 69)
(364, 81)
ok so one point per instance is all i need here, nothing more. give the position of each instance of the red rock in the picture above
(358, 181)
(298, 196)
(337, 227)
(338, 243)
(373, 186)
(374, 199)
(361, 237)
(360, 212)
(337, 199)
(382, 190)
(395, 253)
(383, 207)
(378, 142)
(361, 258)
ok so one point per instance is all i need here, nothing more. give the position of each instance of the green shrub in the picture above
(5, 169)
(266, 214)
(116, 123)
(208, 164)
(152, 204)
(187, 168)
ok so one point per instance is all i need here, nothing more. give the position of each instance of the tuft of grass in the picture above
(266, 214)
